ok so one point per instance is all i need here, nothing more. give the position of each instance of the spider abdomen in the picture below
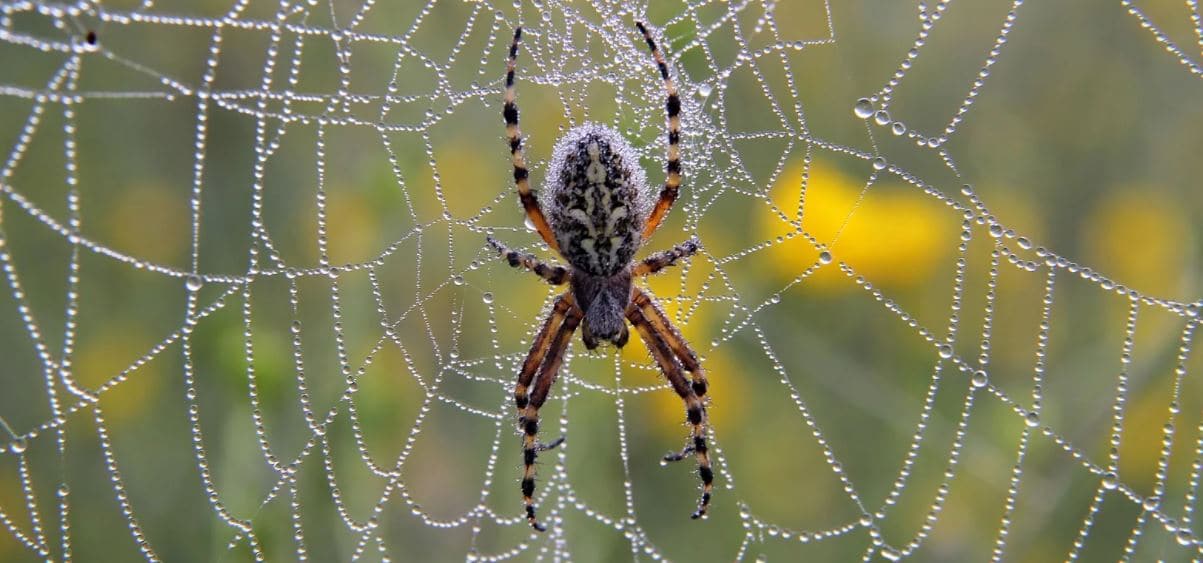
(596, 198)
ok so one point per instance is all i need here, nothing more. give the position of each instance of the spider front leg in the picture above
(510, 112)
(672, 181)
(695, 410)
(544, 360)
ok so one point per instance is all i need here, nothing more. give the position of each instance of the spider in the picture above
(597, 220)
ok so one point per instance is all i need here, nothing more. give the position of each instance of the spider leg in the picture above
(554, 275)
(662, 260)
(694, 409)
(672, 182)
(510, 111)
(538, 351)
(674, 340)
(546, 356)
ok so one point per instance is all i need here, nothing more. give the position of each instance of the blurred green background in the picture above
(1085, 139)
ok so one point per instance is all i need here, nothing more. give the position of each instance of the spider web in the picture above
(250, 312)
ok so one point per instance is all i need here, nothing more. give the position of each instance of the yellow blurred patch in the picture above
(895, 237)
(102, 356)
(354, 227)
(150, 222)
(1140, 238)
(1144, 429)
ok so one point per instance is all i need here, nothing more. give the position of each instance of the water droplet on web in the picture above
(63, 491)
(898, 128)
(487, 297)
(980, 379)
(775, 299)
(18, 446)
(824, 257)
(1024, 243)
(530, 225)
(1032, 419)
(996, 230)
(863, 108)
(882, 117)
(458, 280)
(945, 351)
(1185, 537)
(194, 282)
(703, 90)
(879, 163)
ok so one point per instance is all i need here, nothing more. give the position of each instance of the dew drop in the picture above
(1032, 420)
(1185, 537)
(704, 90)
(945, 351)
(1024, 243)
(863, 108)
(63, 491)
(898, 128)
(458, 280)
(824, 257)
(18, 446)
(879, 163)
(979, 379)
(487, 297)
(1110, 481)
(881, 117)
(530, 225)
(194, 282)
(996, 230)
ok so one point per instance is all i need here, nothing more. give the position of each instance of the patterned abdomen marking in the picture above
(594, 193)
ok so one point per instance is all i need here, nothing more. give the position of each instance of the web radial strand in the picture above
(269, 244)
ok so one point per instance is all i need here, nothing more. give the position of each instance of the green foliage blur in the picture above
(1085, 139)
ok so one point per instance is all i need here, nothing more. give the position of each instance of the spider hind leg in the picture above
(538, 374)
(695, 410)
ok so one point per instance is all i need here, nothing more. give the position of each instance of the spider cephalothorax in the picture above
(599, 214)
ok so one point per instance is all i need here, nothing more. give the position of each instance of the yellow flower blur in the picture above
(1140, 237)
(894, 237)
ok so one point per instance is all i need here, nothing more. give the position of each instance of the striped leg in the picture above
(554, 275)
(538, 351)
(672, 183)
(662, 260)
(510, 111)
(548, 364)
(694, 409)
(674, 340)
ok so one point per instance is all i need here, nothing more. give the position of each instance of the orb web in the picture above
(248, 293)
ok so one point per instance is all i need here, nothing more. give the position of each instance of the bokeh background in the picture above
(1085, 139)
